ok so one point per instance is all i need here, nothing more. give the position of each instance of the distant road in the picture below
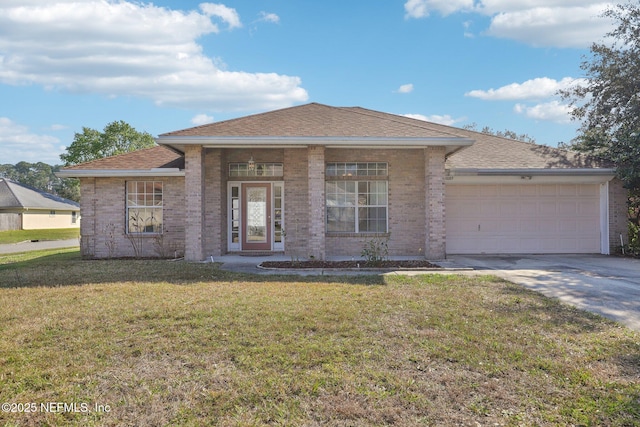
(36, 246)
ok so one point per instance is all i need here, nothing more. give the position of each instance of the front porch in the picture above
(275, 200)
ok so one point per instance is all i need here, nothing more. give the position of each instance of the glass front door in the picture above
(256, 229)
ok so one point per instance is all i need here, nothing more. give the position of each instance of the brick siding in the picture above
(103, 212)
(296, 202)
(406, 203)
(435, 244)
(618, 215)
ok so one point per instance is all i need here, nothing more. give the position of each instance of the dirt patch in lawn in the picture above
(387, 264)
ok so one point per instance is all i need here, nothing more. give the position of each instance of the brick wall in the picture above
(215, 191)
(194, 203)
(435, 244)
(618, 215)
(103, 212)
(296, 202)
(316, 202)
(406, 204)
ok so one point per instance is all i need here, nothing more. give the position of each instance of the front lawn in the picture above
(170, 343)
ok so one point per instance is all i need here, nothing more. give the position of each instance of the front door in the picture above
(256, 227)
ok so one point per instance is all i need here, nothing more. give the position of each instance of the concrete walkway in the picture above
(36, 246)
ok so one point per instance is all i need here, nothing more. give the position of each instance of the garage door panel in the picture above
(531, 218)
(568, 207)
(508, 208)
(547, 208)
(566, 190)
(529, 226)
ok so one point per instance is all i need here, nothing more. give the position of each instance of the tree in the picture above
(42, 177)
(117, 138)
(509, 134)
(608, 104)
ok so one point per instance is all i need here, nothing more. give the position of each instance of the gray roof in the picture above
(14, 195)
(317, 120)
(324, 122)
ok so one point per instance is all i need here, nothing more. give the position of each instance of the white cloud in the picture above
(422, 8)
(552, 23)
(122, 48)
(553, 111)
(227, 14)
(435, 118)
(269, 17)
(408, 88)
(557, 27)
(538, 88)
(201, 119)
(543, 90)
(17, 140)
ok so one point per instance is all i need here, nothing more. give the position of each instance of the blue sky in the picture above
(173, 64)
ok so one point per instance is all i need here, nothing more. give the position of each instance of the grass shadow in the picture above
(66, 268)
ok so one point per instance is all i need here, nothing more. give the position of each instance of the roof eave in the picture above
(533, 172)
(176, 142)
(109, 173)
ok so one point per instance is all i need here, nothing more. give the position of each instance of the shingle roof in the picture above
(145, 159)
(493, 152)
(318, 120)
(15, 195)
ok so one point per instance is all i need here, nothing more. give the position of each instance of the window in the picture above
(74, 217)
(144, 207)
(356, 206)
(52, 213)
(356, 169)
(256, 169)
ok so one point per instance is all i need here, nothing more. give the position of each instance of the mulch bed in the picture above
(349, 264)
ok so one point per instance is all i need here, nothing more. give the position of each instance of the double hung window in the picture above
(355, 204)
(144, 207)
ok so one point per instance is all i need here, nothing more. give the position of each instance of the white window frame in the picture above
(355, 205)
(237, 246)
(145, 206)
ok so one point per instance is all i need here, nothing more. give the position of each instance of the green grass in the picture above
(15, 236)
(172, 343)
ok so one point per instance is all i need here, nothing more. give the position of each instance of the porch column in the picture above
(435, 235)
(316, 239)
(194, 201)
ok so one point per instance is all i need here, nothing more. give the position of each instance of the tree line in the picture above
(117, 138)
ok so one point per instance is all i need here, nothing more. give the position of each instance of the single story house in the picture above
(25, 208)
(321, 181)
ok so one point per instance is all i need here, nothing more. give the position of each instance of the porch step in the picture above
(257, 253)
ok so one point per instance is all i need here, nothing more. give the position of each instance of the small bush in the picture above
(375, 250)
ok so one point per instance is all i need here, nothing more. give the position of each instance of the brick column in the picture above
(214, 204)
(194, 200)
(316, 239)
(435, 244)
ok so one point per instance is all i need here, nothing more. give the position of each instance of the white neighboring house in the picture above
(26, 208)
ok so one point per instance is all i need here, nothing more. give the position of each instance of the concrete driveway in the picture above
(606, 285)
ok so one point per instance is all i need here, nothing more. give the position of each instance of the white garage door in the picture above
(544, 218)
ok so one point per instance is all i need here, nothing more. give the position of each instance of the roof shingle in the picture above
(20, 196)
(147, 158)
(317, 120)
